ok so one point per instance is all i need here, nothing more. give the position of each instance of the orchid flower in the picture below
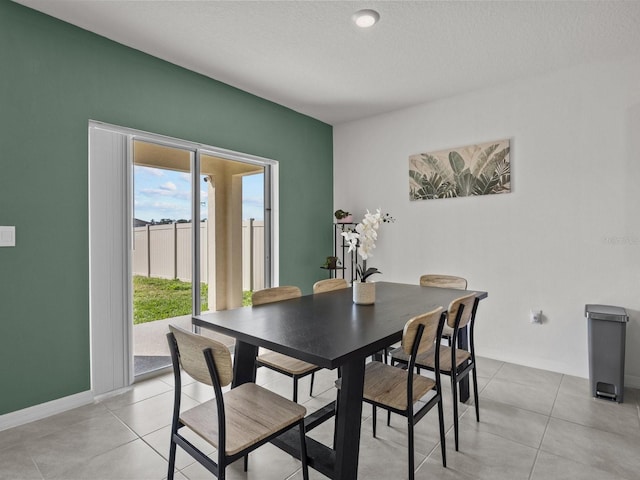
(363, 239)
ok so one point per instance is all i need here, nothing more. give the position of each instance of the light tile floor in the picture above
(534, 425)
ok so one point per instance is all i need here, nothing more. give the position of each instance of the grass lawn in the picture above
(158, 298)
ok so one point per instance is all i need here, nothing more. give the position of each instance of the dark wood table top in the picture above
(328, 329)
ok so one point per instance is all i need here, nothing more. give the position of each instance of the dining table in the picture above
(331, 331)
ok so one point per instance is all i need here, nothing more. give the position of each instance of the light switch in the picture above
(7, 236)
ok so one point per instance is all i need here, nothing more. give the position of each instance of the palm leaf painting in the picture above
(482, 169)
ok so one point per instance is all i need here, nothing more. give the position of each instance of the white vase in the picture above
(364, 293)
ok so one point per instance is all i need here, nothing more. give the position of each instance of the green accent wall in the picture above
(54, 78)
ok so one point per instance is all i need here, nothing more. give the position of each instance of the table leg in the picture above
(463, 343)
(349, 420)
(244, 363)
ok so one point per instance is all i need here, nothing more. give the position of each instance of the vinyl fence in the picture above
(164, 251)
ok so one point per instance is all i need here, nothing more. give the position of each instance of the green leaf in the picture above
(502, 168)
(433, 165)
(368, 272)
(457, 162)
(483, 159)
(433, 187)
(485, 186)
(465, 184)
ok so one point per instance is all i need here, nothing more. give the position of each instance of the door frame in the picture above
(108, 372)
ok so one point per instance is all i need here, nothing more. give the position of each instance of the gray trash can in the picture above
(607, 331)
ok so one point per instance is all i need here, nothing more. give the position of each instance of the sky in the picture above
(160, 193)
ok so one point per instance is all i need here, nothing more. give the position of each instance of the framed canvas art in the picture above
(482, 169)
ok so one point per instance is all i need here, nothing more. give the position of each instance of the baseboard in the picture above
(548, 364)
(112, 393)
(631, 381)
(43, 410)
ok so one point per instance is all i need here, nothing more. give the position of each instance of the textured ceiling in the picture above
(308, 55)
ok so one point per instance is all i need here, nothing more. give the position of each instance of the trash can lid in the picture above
(606, 312)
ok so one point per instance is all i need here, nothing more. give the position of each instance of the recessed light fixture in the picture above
(366, 18)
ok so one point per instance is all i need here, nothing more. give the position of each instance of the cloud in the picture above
(148, 171)
(167, 190)
(169, 186)
(253, 201)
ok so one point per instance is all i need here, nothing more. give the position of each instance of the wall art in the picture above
(481, 169)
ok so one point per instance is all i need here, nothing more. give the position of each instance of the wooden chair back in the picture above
(468, 302)
(430, 320)
(329, 285)
(275, 294)
(191, 353)
(443, 281)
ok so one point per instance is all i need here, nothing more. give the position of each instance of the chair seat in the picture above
(427, 360)
(252, 414)
(387, 385)
(287, 364)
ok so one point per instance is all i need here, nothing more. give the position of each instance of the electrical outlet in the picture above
(535, 316)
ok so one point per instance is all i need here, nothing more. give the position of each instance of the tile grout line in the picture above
(550, 417)
(34, 463)
(546, 427)
(533, 467)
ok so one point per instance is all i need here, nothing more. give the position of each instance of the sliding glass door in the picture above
(200, 237)
(163, 280)
(192, 244)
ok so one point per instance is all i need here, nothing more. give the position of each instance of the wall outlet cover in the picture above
(535, 316)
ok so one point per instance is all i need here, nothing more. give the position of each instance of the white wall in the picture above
(569, 232)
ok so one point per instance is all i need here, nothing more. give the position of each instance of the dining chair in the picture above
(234, 423)
(444, 281)
(292, 367)
(329, 285)
(323, 286)
(455, 362)
(400, 391)
(439, 281)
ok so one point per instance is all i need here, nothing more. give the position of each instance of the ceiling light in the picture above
(366, 18)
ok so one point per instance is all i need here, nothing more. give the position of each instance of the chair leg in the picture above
(295, 389)
(335, 421)
(454, 391)
(246, 462)
(443, 448)
(172, 458)
(411, 449)
(303, 451)
(475, 393)
(388, 418)
(373, 419)
(313, 376)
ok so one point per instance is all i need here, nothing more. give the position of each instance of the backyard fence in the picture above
(164, 251)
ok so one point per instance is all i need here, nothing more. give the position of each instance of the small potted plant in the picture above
(331, 263)
(343, 216)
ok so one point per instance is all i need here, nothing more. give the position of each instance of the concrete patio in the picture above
(150, 348)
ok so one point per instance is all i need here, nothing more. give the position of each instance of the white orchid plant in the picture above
(363, 240)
